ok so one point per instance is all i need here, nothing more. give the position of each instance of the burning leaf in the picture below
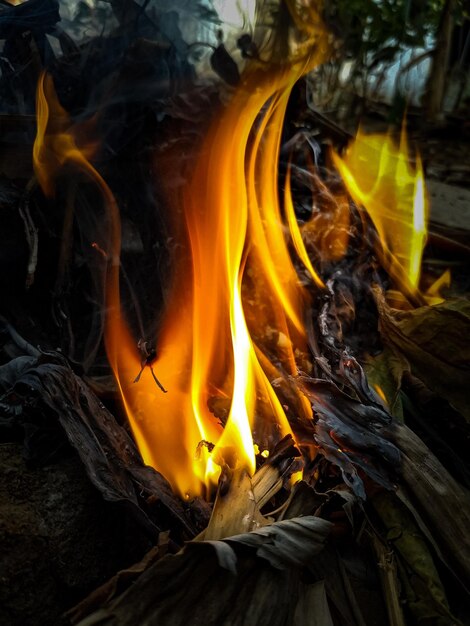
(385, 373)
(349, 434)
(111, 460)
(382, 178)
(434, 341)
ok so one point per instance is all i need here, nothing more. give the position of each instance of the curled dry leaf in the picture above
(289, 543)
(48, 393)
(423, 588)
(350, 434)
(201, 586)
(434, 341)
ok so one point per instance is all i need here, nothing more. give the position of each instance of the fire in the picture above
(234, 321)
(59, 144)
(205, 349)
(210, 354)
(296, 234)
(234, 325)
(381, 177)
(203, 395)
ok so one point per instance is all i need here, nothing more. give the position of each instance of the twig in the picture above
(24, 345)
(148, 357)
(389, 579)
(31, 232)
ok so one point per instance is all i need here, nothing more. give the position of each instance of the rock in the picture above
(59, 539)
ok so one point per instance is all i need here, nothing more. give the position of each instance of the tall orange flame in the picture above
(205, 349)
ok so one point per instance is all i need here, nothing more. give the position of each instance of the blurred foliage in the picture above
(383, 28)
(372, 35)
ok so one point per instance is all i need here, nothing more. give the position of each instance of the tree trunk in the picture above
(437, 77)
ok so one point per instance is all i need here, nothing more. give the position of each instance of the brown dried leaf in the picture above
(426, 596)
(289, 543)
(435, 340)
(195, 586)
(386, 372)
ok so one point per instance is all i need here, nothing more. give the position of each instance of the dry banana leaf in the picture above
(385, 371)
(312, 607)
(199, 585)
(425, 592)
(440, 505)
(288, 543)
(435, 341)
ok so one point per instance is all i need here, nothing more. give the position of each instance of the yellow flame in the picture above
(380, 393)
(433, 292)
(296, 234)
(57, 145)
(381, 177)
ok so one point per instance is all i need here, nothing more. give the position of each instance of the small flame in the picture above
(433, 292)
(296, 234)
(381, 177)
(58, 141)
(381, 393)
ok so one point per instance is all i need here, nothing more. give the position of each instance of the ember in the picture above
(288, 405)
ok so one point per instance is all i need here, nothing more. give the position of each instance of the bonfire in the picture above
(223, 303)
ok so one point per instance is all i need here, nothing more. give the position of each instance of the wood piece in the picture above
(389, 579)
(266, 483)
(237, 508)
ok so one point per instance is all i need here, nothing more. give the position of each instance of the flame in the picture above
(381, 177)
(296, 234)
(433, 292)
(58, 144)
(211, 352)
(381, 393)
(58, 141)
